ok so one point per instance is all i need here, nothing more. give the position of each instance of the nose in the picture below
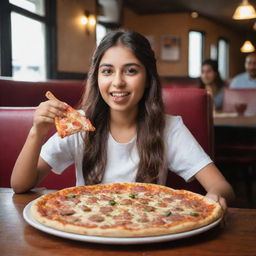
(118, 80)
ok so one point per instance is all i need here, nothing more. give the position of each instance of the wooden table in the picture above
(17, 237)
(220, 119)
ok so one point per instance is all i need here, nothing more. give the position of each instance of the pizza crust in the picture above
(127, 230)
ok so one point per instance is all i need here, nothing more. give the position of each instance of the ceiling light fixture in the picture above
(194, 15)
(244, 11)
(247, 47)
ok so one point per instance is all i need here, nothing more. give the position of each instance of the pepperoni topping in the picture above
(168, 199)
(148, 208)
(92, 200)
(124, 216)
(63, 126)
(139, 188)
(191, 203)
(123, 222)
(66, 212)
(174, 217)
(178, 196)
(106, 209)
(53, 202)
(85, 208)
(106, 198)
(78, 124)
(158, 221)
(162, 204)
(96, 218)
(126, 202)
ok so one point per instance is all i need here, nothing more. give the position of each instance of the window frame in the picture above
(203, 46)
(227, 57)
(6, 41)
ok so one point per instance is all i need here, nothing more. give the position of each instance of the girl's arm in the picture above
(30, 168)
(216, 185)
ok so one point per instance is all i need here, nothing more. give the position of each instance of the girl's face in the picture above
(121, 79)
(208, 75)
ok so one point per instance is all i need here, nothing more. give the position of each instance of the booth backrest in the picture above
(180, 82)
(15, 125)
(15, 93)
(235, 96)
(194, 105)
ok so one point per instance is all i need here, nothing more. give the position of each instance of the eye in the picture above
(131, 71)
(106, 71)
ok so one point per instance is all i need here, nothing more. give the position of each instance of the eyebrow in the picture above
(126, 65)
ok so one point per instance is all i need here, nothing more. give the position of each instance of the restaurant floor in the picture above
(243, 181)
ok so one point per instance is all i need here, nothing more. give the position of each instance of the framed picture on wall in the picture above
(170, 48)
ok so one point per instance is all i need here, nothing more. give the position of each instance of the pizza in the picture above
(72, 123)
(124, 210)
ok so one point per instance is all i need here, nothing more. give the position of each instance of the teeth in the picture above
(115, 94)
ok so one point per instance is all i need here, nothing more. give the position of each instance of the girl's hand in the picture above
(219, 199)
(45, 114)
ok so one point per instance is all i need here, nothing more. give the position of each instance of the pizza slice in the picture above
(72, 123)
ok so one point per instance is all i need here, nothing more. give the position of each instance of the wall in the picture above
(179, 24)
(73, 45)
(75, 48)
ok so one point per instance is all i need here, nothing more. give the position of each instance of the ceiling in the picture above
(220, 11)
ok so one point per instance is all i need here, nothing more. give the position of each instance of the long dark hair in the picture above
(217, 81)
(150, 118)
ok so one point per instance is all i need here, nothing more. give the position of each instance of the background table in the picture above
(234, 120)
(237, 237)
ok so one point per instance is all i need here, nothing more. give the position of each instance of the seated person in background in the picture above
(210, 80)
(248, 78)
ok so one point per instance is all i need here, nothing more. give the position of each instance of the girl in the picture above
(210, 80)
(133, 141)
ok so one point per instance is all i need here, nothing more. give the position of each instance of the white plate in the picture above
(112, 240)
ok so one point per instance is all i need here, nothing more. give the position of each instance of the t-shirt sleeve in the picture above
(57, 152)
(185, 155)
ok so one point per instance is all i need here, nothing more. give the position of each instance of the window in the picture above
(35, 6)
(195, 53)
(101, 31)
(223, 58)
(28, 54)
(27, 39)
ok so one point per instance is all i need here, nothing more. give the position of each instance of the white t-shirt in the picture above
(184, 155)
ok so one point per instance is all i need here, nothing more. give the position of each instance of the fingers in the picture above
(219, 199)
(48, 110)
(223, 204)
(51, 109)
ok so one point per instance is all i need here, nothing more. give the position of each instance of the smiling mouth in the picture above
(119, 94)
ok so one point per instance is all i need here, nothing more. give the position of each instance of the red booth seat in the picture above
(180, 82)
(194, 105)
(15, 93)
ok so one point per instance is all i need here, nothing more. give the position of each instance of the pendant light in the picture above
(247, 47)
(244, 11)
